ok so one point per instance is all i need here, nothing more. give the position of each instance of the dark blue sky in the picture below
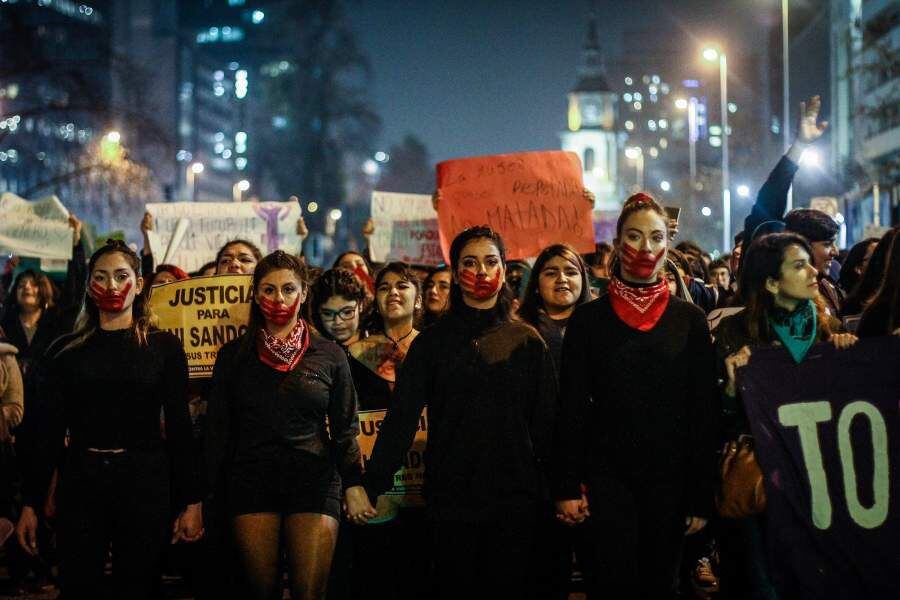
(475, 77)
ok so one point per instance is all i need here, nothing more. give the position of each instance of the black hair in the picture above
(405, 272)
(855, 257)
(872, 277)
(273, 262)
(253, 250)
(812, 224)
(334, 282)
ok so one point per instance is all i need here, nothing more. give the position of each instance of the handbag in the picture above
(741, 492)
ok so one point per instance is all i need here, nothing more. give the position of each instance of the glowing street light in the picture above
(193, 170)
(681, 103)
(743, 191)
(706, 211)
(113, 137)
(335, 214)
(710, 54)
(637, 155)
(811, 158)
(665, 185)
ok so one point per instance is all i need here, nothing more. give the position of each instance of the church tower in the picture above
(592, 123)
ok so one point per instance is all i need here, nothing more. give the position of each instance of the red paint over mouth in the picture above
(480, 286)
(109, 300)
(278, 314)
(640, 264)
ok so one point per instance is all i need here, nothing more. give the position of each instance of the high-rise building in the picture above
(592, 124)
(865, 112)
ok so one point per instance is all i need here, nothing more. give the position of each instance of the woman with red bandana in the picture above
(639, 416)
(281, 437)
(491, 394)
(106, 384)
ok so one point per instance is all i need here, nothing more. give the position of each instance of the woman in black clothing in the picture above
(779, 287)
(558, 285)
(872, 277)
(105, 384)
(237, 257)
(271, 456)
(855, 264)
(639, 418)
(882, 315)
(491, 394)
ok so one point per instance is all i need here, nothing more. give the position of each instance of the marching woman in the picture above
(638, 416)
(489, 386)
(237, 257)
(337, 307)
(779, 288)
(105, 384)
(437, 293)
(281, 437)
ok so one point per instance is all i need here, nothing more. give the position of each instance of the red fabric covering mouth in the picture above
(108, 300)
(638, 307)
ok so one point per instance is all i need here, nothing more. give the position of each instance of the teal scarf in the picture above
(796, 329)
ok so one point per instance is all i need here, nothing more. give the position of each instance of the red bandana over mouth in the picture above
(283, 355)
(638, 307)
(480, 287)
(279, 314)
(109, 300)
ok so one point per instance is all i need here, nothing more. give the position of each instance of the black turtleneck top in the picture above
(108, 392)
(491, 394)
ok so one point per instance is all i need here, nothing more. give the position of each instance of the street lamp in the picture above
(192, 171)
(711, 54)
(786, 87)
(691, 107)
(238, 189)
(637, 155)
(743, 191)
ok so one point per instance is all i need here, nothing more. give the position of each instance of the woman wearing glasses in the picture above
(336, 309)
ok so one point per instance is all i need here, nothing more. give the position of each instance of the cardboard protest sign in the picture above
(406, 228)
(408, 481)
(827, 435)
(532, 199)
(205, 313)
(207, 226)
(39, 229)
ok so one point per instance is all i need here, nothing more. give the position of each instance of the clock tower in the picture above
(592, 123)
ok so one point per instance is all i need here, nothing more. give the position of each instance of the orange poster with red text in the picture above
(532, 199)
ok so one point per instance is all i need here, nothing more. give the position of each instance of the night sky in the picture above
(473, 77)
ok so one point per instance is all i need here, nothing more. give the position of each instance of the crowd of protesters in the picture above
(577, 408)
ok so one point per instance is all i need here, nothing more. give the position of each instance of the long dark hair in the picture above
(503, 307)
(855, 257)
(763, 260)
(48, 294)
(888, 294)
(253, 250)
(273, 262)
(340, 257)
(533, 303)
(89, 319)
(334, 282)
(872, 277)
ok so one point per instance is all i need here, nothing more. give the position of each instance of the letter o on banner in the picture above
(875, 515)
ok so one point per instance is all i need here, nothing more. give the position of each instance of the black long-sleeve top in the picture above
(108, 393)
(771, 201)
(638, 407)
(252, 409)
(491, 394)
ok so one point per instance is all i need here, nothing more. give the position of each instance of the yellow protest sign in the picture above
(408, 481)
(204, 313)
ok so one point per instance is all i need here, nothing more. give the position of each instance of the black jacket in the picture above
(771, 201)
(491, 394)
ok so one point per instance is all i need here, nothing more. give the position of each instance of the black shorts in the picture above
(283, 481)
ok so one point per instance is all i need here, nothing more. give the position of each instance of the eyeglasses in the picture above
(345, 314)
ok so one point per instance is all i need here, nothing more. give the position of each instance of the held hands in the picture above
(188, 527)
(572, 512)
(26, 530)
(732, 363)
(357, 506)
(842, 341)
(693, 525)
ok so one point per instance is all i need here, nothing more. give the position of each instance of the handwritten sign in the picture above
(269, 225)
(408, 481)
(532, 199)
(406, 228)
(38, 229)
(204, 313)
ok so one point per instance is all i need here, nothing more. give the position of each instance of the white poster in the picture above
(406, 228)
(190, 233)
(38, 229)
